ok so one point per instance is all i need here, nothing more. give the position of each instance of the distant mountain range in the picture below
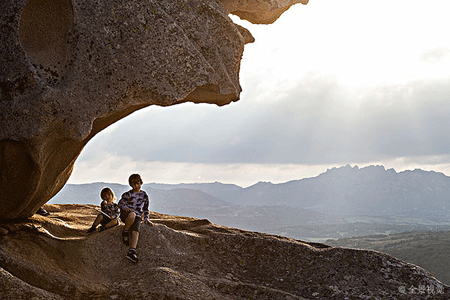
(372, 191)
(300, 207)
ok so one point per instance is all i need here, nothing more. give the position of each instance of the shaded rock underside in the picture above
(70, 68)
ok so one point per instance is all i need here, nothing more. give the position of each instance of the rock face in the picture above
(186, 258)
(70, 68)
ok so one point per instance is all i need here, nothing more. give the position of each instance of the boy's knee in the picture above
(131, 216)
(136, 224)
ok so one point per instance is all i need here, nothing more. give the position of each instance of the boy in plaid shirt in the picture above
(110, 216)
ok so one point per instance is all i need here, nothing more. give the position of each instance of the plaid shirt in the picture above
(111, 209)
(137, 202)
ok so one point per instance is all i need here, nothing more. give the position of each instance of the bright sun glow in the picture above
(360, 43)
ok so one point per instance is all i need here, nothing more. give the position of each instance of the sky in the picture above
(328, 84)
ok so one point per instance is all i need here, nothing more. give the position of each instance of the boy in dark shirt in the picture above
(133, 205)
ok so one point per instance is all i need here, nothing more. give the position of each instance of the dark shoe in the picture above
(42, 212)
(132, 255)
(91, 230)
(125, 237)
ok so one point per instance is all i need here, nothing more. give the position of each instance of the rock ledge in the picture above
(187, 258)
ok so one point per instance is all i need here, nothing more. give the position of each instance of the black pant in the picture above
(136, 226)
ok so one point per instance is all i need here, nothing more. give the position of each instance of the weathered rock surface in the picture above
(259, 12)
(186, 258)
(70, 68)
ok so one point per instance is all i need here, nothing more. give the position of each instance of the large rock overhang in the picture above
(70, 68)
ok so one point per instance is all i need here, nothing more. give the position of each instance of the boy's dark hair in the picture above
(133, 178)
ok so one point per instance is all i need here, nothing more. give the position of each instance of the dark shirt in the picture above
(137, 202)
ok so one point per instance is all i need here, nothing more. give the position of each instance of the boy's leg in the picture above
(98, 220)
(112, 223)
(95, 224)
(134, 239)
(108, 223)
(135, 228)
(132, 254)
(128, 219)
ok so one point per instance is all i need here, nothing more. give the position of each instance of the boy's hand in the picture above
(148, 222)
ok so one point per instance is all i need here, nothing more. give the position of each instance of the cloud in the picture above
(436, 55)
(116, 169)
(315, 122)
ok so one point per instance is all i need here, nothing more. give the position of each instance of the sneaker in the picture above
(125, 237)
(132, 255)
(91, 230)
(42, 212)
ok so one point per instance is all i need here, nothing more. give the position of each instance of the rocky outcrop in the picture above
(186, 258)
(259, 12)
(70, 68)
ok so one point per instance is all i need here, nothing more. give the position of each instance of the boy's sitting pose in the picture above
(132, 205)
(110, 216)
